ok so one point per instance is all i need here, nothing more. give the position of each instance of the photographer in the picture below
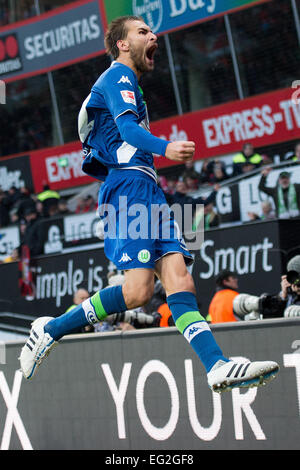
(220, 309)
(286, 304)
(290, 288)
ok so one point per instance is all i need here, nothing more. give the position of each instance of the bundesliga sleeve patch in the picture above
(128, 96)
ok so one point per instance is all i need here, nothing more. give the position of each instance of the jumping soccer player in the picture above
(114, 130)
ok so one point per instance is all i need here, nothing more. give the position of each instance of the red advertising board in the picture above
(60, 167)
(263, 120)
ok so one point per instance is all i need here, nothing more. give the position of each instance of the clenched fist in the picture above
(180, 150)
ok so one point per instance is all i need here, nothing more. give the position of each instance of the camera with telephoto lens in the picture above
(252, 307)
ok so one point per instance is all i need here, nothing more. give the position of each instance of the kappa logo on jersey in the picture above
(125, 258)
(128, 96)
(124, 79)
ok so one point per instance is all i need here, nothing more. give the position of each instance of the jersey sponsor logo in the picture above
(125, 258)
(124, 79)
(144, 256)
(128, 96)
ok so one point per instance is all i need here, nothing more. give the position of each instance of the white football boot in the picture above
(36, 348)
(225, 376)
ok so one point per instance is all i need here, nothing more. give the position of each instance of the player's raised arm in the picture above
(180, 150)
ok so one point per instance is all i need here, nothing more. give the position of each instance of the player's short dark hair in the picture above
(118, 30)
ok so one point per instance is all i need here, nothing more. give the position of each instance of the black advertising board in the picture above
(147, 390)
(56, 278)
(228, 203)
(16, 172)
(252, 251)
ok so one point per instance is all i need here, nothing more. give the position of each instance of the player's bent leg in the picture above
(180, 290)
(47, 331)
(222, 374)
(171, 270)
(138, 287)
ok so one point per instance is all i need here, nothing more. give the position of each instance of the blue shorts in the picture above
(138, 225)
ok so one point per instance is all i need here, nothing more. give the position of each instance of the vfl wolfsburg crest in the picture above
(150, 10)
(144, 256)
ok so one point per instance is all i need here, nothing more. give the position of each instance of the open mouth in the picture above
(150, 53)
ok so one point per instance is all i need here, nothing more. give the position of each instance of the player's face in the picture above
(142, 46)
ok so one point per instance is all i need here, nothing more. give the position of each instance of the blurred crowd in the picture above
(214, 173)
(20, 207)
(17, 10)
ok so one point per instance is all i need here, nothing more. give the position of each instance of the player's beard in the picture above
(138, 58)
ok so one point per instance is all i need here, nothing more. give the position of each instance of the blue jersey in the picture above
(114, 129)
(115, 93)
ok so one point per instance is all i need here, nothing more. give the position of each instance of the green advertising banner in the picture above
(117, 8)
(166, 15)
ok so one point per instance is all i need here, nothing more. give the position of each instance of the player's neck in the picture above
(129, 63)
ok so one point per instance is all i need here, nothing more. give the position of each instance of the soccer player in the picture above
(114, 130)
